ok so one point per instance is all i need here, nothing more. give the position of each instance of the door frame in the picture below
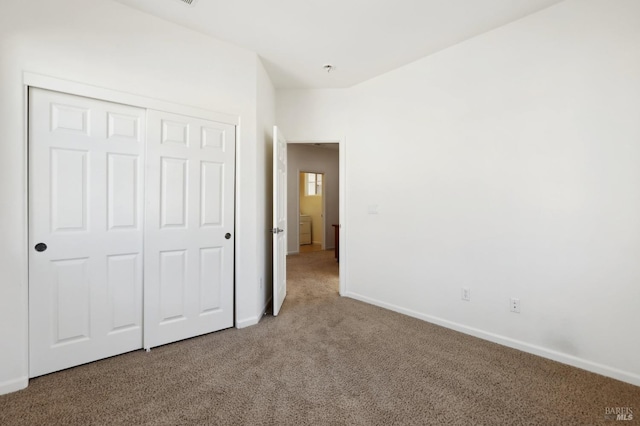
(40, 81)
(324, 208)
(342, 208)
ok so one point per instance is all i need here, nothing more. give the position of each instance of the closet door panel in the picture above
(86, 161)
(189, 238)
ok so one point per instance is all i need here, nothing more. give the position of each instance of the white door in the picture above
(86, 168)
(279, 219)
(189, 236)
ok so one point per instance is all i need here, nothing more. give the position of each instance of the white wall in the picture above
(507, 164)
(319, 115)
(309, 158)
(521, 149)
(109, 45)
(264, 173)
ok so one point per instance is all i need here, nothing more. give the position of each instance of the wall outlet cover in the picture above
(466, 293)
(514, 305)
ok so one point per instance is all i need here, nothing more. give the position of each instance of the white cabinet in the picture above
(305, 229)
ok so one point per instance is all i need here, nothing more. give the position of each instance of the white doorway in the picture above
(334, 184)
(309, 164)
(96, 229)
(311, 207)
(288, 194)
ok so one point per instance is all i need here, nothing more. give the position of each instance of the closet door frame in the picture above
(109, 95)
(76, 88)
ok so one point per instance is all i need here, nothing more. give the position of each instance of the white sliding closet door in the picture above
(189, 228)
(86, 167)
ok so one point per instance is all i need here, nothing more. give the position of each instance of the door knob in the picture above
(40, 247)
(227, 235)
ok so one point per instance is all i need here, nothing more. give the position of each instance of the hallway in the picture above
(312, 278)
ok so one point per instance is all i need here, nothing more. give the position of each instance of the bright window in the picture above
(313, 183)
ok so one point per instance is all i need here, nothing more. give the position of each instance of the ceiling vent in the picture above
(188, 2)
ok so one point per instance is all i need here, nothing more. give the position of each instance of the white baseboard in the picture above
(625, 376)
(14, 385)
(265, 307)
(248, 322)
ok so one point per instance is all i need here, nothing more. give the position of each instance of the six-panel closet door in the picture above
(85, 229)
(189, 224)
(131, 222)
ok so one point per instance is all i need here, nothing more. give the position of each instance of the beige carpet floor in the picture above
(324, 360)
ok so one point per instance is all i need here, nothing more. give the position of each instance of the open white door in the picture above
(279, 219)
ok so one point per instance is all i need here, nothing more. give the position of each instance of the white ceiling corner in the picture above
(361, 38)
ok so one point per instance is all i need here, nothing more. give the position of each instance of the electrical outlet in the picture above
(514, 305)
(261, 284)
(466, 293)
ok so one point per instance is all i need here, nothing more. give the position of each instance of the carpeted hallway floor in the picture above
(323, 360)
